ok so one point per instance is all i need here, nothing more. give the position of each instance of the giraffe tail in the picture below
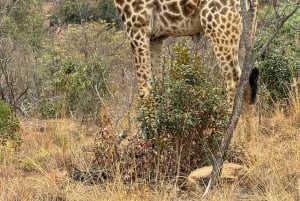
(253, 82)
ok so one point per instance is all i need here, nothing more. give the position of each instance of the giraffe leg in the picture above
(156, 57)
(226, 48)
(223, 27)
(228, 62)
(141, 52)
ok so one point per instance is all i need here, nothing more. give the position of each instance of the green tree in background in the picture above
(79, 11)
(105, 10)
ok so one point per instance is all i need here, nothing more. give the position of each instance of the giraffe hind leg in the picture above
(224, 33)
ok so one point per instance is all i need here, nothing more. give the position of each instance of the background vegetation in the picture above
(68, 94)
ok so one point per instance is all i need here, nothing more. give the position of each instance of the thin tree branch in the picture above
(238, 102)
(22, 94)
(279, 25)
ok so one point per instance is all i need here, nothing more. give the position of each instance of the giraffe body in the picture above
(149, 22)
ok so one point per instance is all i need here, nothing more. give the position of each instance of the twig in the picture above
(279, 25)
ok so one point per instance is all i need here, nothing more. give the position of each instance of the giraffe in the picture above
(149, 22)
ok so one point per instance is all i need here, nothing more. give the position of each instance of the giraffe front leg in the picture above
(142, 58)
(141, 54)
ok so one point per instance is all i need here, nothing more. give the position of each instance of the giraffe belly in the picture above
(183, 27)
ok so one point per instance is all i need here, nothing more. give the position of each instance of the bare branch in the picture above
(275, 6)
(279, 25)
(23, 94)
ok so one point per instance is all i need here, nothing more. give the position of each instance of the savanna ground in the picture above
(39, 169)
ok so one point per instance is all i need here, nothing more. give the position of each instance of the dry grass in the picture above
(38, 170)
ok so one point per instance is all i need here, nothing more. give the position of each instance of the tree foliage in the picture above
(79, 11)
(80, 85)
(105, 10)
(22, 35)
(77, 73)
(280, 63)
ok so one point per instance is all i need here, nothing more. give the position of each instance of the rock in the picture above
(230, 171)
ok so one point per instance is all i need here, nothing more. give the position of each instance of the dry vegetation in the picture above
(43, 167)
(39, 169)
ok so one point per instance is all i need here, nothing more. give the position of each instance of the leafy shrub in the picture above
(49, 109)
(90, 55)
(74, 11)
(277, 71)
(9, 124)
(105, 10)
(187, 109)
(280, 63)
(79, 85)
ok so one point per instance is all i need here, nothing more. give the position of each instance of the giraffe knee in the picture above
(236, 75)
(144, 93)
(144, 90)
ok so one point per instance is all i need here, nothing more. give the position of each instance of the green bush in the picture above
(49, 109)
(9, 124)
(186, 108)
(105, 10)
(78, 86)
(74, 11)
(277, 71)
(73, 75)
(280, 63)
